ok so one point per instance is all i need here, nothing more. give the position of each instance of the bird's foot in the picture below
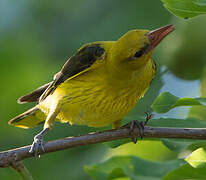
(136, 125)
(38, 144)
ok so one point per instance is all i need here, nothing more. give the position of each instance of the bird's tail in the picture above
(28, 119)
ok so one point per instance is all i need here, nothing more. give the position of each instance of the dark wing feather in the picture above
(34, 95)
(83, 59)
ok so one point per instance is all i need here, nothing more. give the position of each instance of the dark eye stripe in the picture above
(139, 53)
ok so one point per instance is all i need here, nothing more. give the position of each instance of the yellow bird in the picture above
(97, 86)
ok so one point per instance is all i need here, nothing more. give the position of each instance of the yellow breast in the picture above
(90, 100)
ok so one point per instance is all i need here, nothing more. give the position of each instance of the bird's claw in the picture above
(134, 125)
(37, 145)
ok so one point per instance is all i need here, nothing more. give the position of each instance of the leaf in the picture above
(172, 122)
(143, 149)
(185, 8)
(166, 101)
(112, 167)
(198, 112)
(178, 145)
(197, 159)
(186, 172)
(132, 167)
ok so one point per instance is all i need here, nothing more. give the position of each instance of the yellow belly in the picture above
(96, 108)
(91, 101)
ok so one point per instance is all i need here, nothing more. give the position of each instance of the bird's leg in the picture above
(38, 143)
(134, 125)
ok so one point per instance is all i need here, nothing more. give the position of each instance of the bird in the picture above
(97, 86)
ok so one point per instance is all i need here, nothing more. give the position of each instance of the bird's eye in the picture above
(138, 53)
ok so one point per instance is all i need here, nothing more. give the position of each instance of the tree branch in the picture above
(22, 170)
(7, 157)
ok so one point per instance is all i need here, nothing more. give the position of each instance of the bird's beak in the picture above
(157, 35)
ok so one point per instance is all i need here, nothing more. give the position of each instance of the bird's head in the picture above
(134, 49)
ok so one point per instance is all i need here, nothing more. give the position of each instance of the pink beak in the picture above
(157, 35)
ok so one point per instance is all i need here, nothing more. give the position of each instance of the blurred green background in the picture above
(37, 37)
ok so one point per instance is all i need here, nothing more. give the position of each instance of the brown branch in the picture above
(7, 157)
(22, 170)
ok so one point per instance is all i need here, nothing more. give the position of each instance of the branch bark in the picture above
(7, 158)
(22, 170)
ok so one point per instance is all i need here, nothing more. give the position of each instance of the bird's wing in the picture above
(34, 95)
(78, 63)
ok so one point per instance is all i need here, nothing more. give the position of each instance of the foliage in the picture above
(132, 167)
(186, 8)
(186, 172)
(166, 101)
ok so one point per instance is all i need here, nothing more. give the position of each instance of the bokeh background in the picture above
(37, 37)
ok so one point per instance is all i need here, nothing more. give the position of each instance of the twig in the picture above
(104, 136)
(22, 170)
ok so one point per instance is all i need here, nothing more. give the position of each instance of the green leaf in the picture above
(143, 149)
(166, 101)
(178, 145)
(172, 122)
(186, 172)
(185, 8)
(198, 112)
(197, 158)
(111, 168)
(132, 167)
